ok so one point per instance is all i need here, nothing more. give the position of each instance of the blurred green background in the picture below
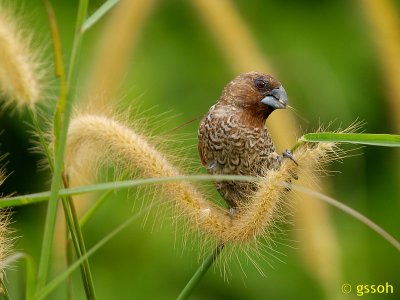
(326, 58)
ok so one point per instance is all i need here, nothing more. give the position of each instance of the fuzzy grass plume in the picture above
(21, 73)
(100, 140)
(5, 241)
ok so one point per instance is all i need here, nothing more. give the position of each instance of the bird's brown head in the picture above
(257, 93)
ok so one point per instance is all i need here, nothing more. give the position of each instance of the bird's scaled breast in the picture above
(229, 146)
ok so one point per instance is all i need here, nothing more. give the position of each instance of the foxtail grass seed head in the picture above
(105, 140)
(5, 240)
(21, 72)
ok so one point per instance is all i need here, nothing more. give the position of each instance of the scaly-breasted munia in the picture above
(233, 137)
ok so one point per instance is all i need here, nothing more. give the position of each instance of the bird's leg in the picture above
(289, 155)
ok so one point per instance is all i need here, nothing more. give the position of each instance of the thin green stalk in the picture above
(199, 274)
(49, 226)
(60, 278)
(93, 208)
(64, 108)
(59, 72)
(69, 211)
(30, 277)
(57, 169)
(98, 14)
(385, 140)
(69, 250)
(82, 222)
(88, 278)
(57, 48)
(100, 201)
(117, 185)
(79, 243)
(74, 237)
(34, 198)
(352, 212)
(76, 47)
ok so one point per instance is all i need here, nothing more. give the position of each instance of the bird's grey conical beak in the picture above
(277, 98)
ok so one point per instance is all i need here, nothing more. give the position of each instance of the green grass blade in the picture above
(117, 185)
(24, 200)
(64, 107)
(59, 71)
(350, 211)
(74, 230)
(98, 14)
(63, 276)
(87, 273)
(91, 211)
(385, 140)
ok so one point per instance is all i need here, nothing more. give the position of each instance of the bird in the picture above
(233, 138)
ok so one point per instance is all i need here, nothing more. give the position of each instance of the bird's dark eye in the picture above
(260, 84)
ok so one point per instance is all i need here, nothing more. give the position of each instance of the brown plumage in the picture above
(233, 137)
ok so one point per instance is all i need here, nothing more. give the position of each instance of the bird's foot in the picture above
(288, 154)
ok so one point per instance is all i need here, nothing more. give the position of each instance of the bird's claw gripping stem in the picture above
(289, 155)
